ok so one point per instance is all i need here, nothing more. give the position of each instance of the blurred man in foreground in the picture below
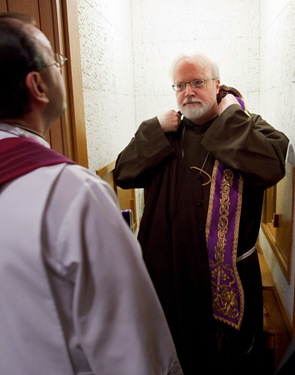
(75, 295)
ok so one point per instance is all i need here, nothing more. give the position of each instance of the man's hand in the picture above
(169, 121)
(226, 101)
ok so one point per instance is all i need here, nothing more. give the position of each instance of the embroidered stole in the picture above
(222, 229)
(19, 156)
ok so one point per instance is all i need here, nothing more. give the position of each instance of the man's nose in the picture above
(188, 90)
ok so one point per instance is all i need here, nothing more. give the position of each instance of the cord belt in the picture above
(246, 254)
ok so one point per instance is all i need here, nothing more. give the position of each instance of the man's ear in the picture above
(37, 87)
(217, 82)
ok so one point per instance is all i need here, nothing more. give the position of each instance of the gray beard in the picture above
(194, 113)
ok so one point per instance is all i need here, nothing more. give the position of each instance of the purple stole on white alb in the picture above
(222, 229)
(19, 156)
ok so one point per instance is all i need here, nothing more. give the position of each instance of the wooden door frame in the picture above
(68, 30)
(59, 18)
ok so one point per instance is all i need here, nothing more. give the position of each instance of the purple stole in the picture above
(222, 229)
(19, 156)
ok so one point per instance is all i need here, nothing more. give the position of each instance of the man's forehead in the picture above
(191, 66)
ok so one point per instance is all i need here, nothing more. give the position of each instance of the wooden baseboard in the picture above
(276, 323)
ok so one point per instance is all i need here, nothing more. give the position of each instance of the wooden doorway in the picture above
(58, 20)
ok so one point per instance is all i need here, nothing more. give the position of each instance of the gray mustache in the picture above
(191, 100)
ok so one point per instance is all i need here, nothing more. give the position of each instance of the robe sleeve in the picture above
(147, 149)
(248, 144)
(117, 317)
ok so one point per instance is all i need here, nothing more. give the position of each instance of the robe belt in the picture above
(246, 254)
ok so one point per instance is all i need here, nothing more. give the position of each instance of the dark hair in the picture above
(19, 55)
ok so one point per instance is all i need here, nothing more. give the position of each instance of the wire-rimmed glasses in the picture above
(59, 61)
(194, 84)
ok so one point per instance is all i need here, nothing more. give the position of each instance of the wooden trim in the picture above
(267, 280)
(126, 197)
(76, 116)
(278, 220)
(3, 6)
(106, 169)
(269, 284)
(271, 241)
(283, 310)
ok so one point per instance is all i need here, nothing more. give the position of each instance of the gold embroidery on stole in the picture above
(224, 276)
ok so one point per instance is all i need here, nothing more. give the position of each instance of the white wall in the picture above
(107, 74)
(277, 100)
(226, 30)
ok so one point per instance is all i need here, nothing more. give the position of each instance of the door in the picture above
(58, 20)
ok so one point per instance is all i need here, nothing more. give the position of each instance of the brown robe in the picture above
(172, 230)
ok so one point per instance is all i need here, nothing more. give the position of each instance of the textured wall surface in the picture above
(226, 30)
(277, 99)
(107, 73)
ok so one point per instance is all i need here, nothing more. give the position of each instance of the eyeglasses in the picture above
(194, 84)
(59, 61)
